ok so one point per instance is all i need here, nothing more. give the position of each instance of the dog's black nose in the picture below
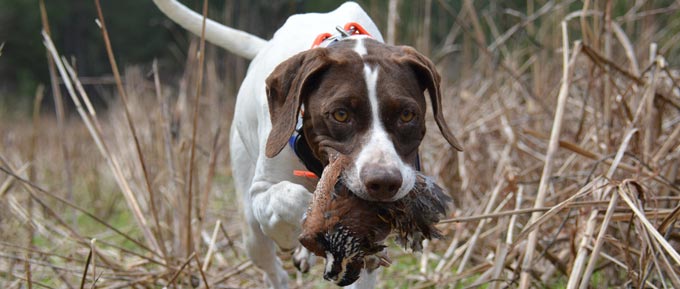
(381, 182)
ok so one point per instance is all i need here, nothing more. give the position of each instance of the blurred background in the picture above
(141, 33)
(119, 184)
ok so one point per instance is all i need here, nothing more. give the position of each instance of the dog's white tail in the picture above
(239, 42)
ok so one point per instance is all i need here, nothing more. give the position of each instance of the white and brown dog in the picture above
(361, 98)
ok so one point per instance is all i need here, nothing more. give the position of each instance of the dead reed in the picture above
(569, 176)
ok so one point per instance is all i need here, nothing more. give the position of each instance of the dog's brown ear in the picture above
(286, 88)
(429, 78)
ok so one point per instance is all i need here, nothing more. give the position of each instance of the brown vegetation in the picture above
(569, 176)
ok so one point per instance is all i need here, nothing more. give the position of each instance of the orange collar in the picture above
(350, 29)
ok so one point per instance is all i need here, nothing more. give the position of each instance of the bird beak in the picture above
(376, 261)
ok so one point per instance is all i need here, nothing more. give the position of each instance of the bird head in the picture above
(345, 255)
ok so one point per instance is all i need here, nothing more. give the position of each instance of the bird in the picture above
(349, 232)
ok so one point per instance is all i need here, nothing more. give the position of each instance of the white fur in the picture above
(359, 48)
(274, 200)
(329, 261)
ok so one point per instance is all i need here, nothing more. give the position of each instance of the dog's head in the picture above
(363, 99)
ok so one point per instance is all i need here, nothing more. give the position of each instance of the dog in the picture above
(297, 105)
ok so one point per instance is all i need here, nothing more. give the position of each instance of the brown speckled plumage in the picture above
(341, 224)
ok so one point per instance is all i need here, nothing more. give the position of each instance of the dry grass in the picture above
(569, 176)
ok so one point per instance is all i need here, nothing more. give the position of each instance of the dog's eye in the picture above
(407, 116)
(341, 115)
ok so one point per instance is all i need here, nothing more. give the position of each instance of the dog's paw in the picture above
(279, 210)
(303, 259)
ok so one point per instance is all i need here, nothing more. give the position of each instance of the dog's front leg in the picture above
(279, 209)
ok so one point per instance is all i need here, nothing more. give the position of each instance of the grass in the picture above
(569, 178)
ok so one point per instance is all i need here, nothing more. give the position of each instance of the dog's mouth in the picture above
(412, 217)
(362, 188)
(355, 178)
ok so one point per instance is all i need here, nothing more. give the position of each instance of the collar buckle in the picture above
(348, 31)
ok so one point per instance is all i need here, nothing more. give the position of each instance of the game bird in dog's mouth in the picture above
(311, 92)
(349, 231)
